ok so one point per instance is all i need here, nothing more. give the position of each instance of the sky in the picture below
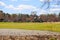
(27, 6)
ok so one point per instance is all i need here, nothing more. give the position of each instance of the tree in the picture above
(2, 14)
(14, 18)
(43, 17)
(52, 18)
(7, 17)
(33, 16)
(59, 17)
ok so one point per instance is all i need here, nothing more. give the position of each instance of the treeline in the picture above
(6, 17)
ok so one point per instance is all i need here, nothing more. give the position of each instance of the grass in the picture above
(52, 26)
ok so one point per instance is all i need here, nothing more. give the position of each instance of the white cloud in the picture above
(26, 7)
(42, 11)
(10, 7)
(45, 0)
(54, 9)
(19, 7)
(13, 0)
(22, 7)
(2, 3)
(55, 6)
(25, 0)
(18, 0)
(42, 0)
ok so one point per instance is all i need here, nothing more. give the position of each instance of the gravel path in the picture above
(26, 32)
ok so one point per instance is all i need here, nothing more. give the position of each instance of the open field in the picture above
(52, 26)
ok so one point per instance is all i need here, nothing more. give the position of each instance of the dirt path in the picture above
(26, 32)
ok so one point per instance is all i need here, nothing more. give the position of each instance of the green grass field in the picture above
(52, 26)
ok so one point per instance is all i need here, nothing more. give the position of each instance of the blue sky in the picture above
(26, 6)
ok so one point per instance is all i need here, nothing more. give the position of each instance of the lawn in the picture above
(50, 26)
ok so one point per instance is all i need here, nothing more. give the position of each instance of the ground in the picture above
(50, 26)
